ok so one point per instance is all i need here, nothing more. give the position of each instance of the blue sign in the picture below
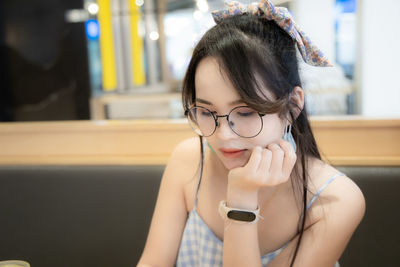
(92, 29)
(346, 6)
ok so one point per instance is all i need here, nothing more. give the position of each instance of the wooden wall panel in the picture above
(358, 141)
(343, 141)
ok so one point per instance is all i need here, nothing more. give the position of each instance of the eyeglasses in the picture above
(244, 121)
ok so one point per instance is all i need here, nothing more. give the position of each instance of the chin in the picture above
(230, 164)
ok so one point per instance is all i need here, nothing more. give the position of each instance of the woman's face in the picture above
(215, 92)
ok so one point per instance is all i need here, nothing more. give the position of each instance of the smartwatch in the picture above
(246, 216)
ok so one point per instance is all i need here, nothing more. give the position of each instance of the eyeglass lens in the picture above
(244, 121)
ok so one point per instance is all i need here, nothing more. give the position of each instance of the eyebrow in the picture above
(239, 101)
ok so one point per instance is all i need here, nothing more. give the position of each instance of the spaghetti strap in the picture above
(322, 188)
(203, 147)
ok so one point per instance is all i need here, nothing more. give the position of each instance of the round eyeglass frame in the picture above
(216, 117)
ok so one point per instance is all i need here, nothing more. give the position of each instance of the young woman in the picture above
(252, 190)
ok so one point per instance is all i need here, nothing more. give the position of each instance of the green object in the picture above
(211, 148)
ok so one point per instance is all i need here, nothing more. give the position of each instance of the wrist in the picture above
(242, 199)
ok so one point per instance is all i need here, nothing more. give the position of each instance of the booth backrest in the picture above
(72, 216)
(376, 241)
(82, 216)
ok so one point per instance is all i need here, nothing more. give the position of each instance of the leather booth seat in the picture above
(82, 216)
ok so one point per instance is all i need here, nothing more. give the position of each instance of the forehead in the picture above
(212, 83)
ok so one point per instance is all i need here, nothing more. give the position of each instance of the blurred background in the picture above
(125, 59)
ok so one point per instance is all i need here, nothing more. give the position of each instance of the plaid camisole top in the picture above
(200, 247)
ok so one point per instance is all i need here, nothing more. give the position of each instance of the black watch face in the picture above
(241, 215)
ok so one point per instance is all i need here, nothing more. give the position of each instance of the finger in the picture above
(276, 162)
(289, 159)
(254, 160)
(265, 164)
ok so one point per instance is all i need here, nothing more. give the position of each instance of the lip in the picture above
(232, 153)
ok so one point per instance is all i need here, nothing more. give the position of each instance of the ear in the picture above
(297, 97)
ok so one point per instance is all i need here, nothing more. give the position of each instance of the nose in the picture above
(224, 131)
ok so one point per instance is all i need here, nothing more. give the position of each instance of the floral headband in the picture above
(309, 52)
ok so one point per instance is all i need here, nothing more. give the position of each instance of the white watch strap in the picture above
(239, 215)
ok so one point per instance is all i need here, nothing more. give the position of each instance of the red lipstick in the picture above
(232, 153)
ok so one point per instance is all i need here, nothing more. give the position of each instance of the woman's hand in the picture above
(268, 166)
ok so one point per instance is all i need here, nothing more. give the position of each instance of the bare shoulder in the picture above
(170, 213)
(331, 220)
(342, 198)
(184, 159)
(187, 151)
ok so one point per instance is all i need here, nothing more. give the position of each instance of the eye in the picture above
(205, 113)
(245, 112)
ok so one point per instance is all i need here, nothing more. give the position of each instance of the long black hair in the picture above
(256, 53)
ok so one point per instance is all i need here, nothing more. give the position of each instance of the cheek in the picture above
(272, 131)
(266, 138)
